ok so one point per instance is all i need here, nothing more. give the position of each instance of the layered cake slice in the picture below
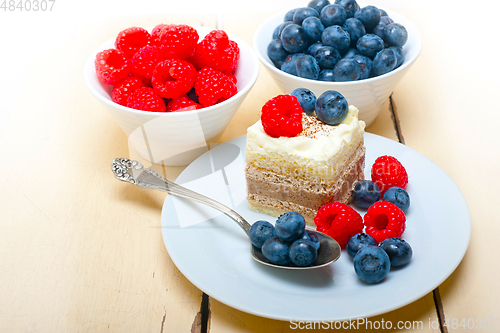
(321, 164)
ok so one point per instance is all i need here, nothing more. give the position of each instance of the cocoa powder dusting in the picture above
(314, 128)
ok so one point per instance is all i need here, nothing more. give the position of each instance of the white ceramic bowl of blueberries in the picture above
(360, 51)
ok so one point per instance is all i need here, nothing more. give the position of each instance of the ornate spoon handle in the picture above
(124, 170)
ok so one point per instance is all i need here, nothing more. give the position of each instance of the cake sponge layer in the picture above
(272, 193)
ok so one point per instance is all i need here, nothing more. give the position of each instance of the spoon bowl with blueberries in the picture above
(287, 244)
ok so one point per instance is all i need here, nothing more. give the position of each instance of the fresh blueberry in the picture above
(382, 12)
(313, 28)
(347, 69)
(318, 5)
(326, 75)
(307, 67)
(400, 55)
(366, 66)
(290, 226)
(395, 34)
(302, 13)
(379, 28)
(351, 52)
(276, 31)
(337, 37)
(355, 28)
(369, 16)
(290, 63)
(369, 45)
(371, 264)
(311, 236)
(281, 27)
(260, 231)
(350, 6)
(384, 62)
(276, 251)
(365, 193)
(314, 48)
(303, 252)
(398, 196)
(294, 39)
(289, 15)
(398, 250)
(332, 15)
(306, 98)
(331, 107)
(357, 242)
(276, 52)
(327, 57)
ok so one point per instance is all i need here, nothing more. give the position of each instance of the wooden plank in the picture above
(451, 116)
(79, 250)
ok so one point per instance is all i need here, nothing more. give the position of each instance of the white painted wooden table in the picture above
(81, 252)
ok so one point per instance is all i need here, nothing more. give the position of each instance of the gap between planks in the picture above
(201, 322)
(435, 293)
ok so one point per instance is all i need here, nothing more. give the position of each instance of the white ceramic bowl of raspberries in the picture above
(366, 89)
(169, 101)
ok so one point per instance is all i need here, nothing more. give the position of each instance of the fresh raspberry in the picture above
(111, 66)
(182, 103)
(233, 79)
(130, 40)
(123, 89)
(282, 116)
(173, 78)
(232, 55)
(387, 172)
(144, 61)
(218, 52)
(156, 33)
(146, 99)
(176, 41)
(339, 221)
(384, 220)
(213, 87)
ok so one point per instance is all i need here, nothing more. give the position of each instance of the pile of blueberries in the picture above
(337, 42)
(372, 261)
(367, 192)
(287, 241)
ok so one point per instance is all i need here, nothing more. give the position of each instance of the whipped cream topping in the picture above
(317, 141)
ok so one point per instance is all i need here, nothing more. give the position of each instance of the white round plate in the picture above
(215, 254)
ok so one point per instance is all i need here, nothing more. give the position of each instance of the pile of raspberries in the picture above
(169, 69)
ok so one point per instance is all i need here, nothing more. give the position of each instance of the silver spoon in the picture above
(124, 170)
